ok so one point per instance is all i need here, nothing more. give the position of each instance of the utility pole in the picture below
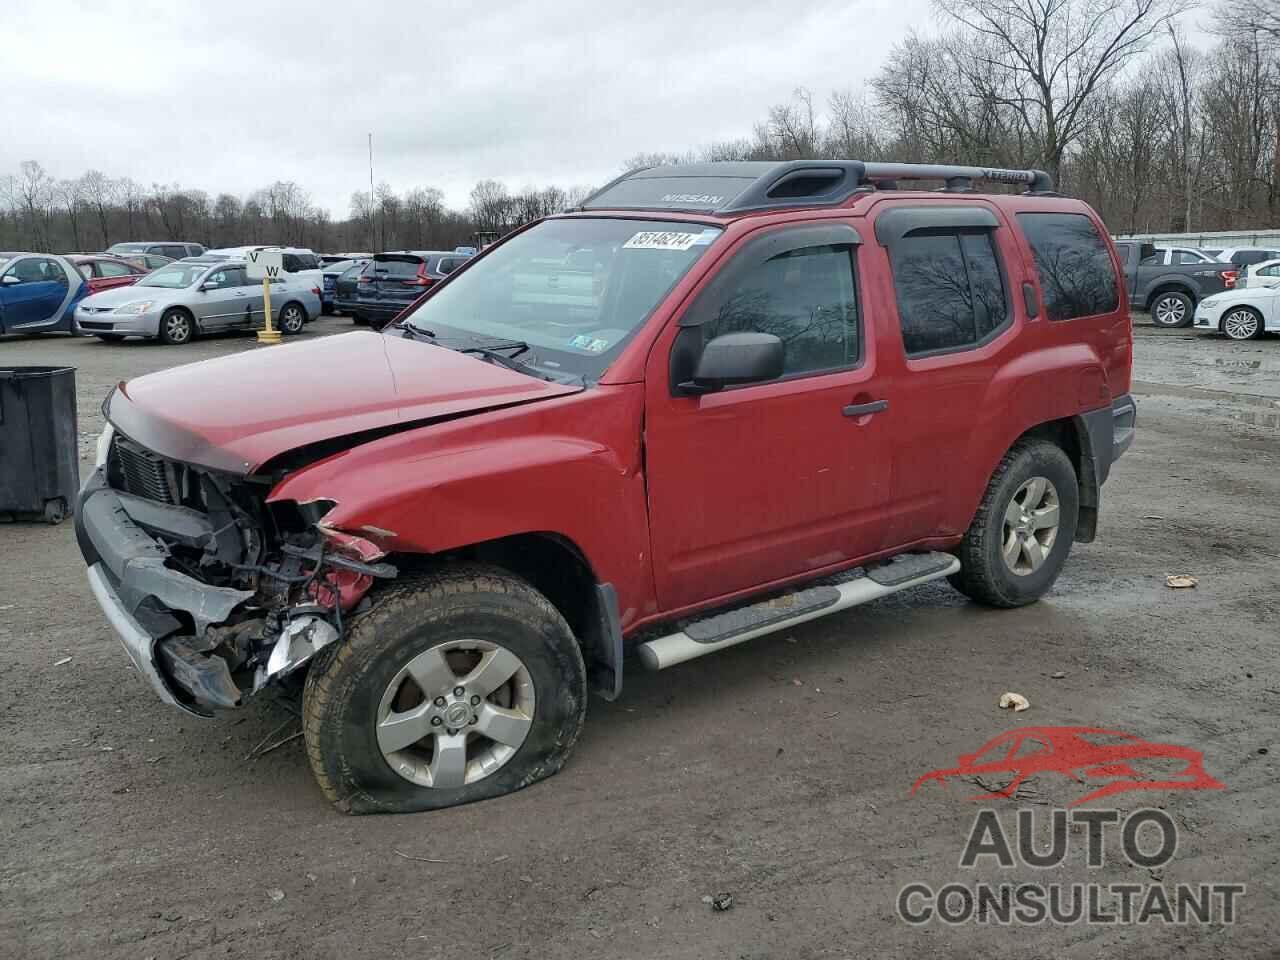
(372, 239)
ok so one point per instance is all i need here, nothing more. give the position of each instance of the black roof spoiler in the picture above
(743, 186)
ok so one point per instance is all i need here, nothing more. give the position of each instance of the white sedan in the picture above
(1244, 312)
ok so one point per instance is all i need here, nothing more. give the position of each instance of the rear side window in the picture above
(807, 298)
(1077, 277)
(449, 264)
(950, 289)
(108, 269)
(176, 251)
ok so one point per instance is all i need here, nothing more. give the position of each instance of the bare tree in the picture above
(100, 193)
(1055, 55)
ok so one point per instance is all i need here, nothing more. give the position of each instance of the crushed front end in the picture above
(214, 592)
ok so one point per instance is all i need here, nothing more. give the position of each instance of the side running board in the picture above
(738, 625)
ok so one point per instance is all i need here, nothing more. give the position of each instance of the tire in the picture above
(177, 327)
(360, 320)
(986, 574)
(1242, 323)
(1172, 308)
(291, 319)
(363, 678)
(109, 337)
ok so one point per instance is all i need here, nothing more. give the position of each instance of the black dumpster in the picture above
(39, 459)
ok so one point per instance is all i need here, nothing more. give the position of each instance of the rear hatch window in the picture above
(394, 278)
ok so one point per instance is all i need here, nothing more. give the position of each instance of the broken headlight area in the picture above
(224, 593)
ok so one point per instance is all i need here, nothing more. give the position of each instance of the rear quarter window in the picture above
(1077, 277)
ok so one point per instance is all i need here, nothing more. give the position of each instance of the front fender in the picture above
(500, 474)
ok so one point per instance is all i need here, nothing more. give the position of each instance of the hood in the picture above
(119, 296)
(236, 413)
(1227, 297)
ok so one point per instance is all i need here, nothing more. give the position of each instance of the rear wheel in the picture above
(176, 326)
(1172, 309)
(456, 686)
(1242, 323)
(292, 319)
(1021, 535)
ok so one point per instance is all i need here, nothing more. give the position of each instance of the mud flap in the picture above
(604, 644)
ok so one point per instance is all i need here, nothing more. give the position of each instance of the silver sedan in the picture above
(183, 299)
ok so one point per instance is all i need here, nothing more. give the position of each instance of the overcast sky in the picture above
(230, 97)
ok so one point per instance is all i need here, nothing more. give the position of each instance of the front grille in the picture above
(97, 325)
(142, 472)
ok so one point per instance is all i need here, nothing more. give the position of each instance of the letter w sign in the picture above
(264, 263)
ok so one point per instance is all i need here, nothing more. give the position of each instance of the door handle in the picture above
(864, 409)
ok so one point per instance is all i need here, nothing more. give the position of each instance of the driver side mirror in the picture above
(9, 280)
(736, 358)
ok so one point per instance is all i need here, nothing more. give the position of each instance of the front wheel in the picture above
(1242, 323)
(1172, 309)
(176, 327)
(1021, 535)
(455, 686)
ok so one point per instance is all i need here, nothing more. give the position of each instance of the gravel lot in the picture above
(778, 771)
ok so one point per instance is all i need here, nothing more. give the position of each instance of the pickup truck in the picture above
(713, 403)
(1170, 291)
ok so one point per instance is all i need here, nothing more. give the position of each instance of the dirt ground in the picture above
(778, 772)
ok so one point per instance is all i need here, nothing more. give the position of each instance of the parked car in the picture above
(173, 249)
(775, 389)
(38, 293)
(182, 300)
(1170, 292)
(105, 273)
(1264, 274)
(1172, 256)
(331, 272)
(344, 289)
(146, 261)
(328, 258)
(396, 279)
(1246, 256)
(1248, 311)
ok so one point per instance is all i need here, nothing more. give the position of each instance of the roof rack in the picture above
(743, 186)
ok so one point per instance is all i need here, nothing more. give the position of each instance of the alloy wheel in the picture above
(177, 328)
(1170, 311)
(291, 321)
(1030, 526)
(1240, 324)
(455, 713)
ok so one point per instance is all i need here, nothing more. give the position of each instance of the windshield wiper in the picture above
(420, 332)
(509, 361)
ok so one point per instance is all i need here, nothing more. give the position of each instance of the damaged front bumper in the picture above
(200, 646)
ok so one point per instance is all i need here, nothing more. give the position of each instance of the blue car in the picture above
(39, 293)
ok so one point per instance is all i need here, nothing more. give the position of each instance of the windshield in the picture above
(174, 276)
(127, 248)
(575, 290)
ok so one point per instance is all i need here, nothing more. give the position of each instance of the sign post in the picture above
(265, 265)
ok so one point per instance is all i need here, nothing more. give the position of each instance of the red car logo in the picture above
(1084, 754)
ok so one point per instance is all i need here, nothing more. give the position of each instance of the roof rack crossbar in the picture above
(1037, 181)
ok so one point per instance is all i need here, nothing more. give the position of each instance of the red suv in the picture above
(713, 402)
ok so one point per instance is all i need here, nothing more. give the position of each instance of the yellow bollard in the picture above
(268, 334)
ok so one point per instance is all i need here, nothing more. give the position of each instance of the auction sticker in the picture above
(662, 240)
